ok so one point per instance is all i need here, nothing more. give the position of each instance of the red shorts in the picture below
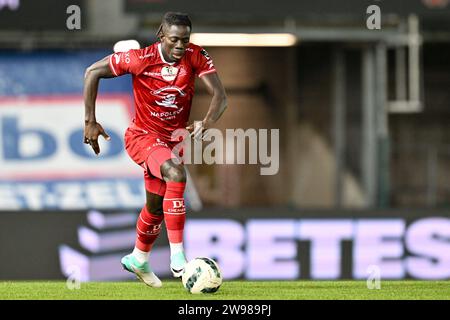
(150, 152)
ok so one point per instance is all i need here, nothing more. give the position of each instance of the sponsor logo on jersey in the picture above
(158, 143)
(152, 74)
(127, 57)
(203, 52)
(169, 89)
(169, 73)
(168, 101)
(146, 56)
(168, 96)
(117, 58)
(168, 115)
(181, 72)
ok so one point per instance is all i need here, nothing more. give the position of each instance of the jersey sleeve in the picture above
(125, 62)
(202, 62)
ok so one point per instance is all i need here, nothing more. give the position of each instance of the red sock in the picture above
(174, 210)
(148, 227)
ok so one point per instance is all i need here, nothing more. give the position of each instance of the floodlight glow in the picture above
(244, 39)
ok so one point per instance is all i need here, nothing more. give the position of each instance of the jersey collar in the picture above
(162, 56)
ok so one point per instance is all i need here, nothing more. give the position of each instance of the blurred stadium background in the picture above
(364, 140)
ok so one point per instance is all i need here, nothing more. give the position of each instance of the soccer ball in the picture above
(201, 275)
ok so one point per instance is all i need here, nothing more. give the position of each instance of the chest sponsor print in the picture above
(167, 96)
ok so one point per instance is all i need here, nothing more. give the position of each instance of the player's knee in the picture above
(176, 174)
(173, 172)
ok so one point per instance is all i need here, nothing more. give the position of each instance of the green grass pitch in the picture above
(230, 290)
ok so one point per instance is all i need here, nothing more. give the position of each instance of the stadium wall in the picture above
(258, 99)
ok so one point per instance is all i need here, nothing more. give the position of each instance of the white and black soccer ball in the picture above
(202, 275)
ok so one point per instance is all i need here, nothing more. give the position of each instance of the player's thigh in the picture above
(156, 158)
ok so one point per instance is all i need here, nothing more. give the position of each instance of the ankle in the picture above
(176, 248)
(141, 256)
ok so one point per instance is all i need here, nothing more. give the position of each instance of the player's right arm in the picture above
(93, 129)
(110, 66)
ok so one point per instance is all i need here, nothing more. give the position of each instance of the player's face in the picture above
(174, 41)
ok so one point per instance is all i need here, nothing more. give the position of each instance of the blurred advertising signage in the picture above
(102, 242)
(44, 163)
(33, 15)
(324, 248)
(283, 8)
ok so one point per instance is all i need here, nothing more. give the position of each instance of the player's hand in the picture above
(198, 129)
(92, 130)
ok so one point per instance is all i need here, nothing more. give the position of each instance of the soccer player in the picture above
(163, 86)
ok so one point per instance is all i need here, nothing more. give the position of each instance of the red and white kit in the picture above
(163, 95)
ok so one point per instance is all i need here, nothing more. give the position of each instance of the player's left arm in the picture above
(218, 102)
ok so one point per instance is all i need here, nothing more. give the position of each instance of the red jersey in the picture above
(163, 91)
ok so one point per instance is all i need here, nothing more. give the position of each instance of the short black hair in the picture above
(174, 19)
